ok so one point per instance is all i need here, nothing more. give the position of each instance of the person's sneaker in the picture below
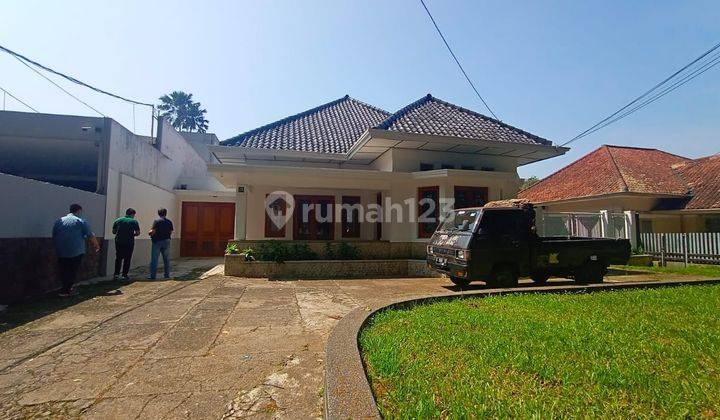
(151, 278)
(125, 278)
(116, 277)
(68, 294)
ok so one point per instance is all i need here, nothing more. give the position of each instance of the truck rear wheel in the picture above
(590, 272)
(504, 276)
(460, 281)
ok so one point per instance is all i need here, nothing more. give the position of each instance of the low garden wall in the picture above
(235, 265)
(369, 250)
(30, 268)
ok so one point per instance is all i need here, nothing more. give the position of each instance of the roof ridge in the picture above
(427, 98)
(376, 108)
(496, 121)
(233, 140)
(568, 166)
(616, 146)
(402, 111)
(617, 168)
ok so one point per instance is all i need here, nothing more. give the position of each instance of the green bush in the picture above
(249, 254)
(347, 251)
(302, 252)
(329, 251)
(273, 251)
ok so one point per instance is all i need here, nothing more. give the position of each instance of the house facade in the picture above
(667, 193)
(416, 161)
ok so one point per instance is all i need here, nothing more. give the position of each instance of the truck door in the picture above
(509, 232)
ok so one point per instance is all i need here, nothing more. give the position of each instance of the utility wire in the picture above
(70, 78)
(456, 60)
(696, 73)
(58, 86)
(18, 99)
(606, 121)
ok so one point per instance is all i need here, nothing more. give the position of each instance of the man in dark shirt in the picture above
(160, 233)
(125, 230)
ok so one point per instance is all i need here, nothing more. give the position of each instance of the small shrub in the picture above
(232, 249)
(301, 252)
(347, 251)
(248, 254)
(329, 251)
(273, 251)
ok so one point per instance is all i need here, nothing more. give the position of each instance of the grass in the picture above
(639, 353)
(690, 270)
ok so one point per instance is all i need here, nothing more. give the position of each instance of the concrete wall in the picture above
(36, 205)
(406, 160)
(145, 199)
(27, 253)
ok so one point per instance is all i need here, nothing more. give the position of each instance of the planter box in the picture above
(235, 265)
(369, 250)
(641, 260)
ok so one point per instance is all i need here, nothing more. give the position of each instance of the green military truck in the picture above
(498, 243)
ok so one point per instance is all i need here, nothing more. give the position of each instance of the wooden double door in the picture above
(206, 228)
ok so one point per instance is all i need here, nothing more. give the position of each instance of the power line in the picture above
(17, 99)
(707, 66)
(70, 78)
(58, 86)
(457, 61)
(607, 120)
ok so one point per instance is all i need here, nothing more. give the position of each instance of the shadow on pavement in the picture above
(27, 311)
(483, 286)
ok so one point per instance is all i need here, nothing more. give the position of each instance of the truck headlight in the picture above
(462, 254)
(430, 250)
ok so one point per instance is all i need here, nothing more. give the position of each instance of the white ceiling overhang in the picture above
(376, 142)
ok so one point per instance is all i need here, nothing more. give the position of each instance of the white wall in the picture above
(36, 205)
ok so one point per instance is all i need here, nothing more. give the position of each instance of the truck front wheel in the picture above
(504, 276)
(540, 278)
(590, 272)
(460, 281)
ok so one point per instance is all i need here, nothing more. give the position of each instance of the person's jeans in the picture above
(160, 247)
(68, 271)
(123, 255)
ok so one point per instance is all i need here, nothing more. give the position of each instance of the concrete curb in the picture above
(348, 394)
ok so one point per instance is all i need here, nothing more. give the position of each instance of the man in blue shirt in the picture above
(69, 233)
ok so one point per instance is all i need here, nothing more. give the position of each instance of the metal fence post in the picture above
(662, 250)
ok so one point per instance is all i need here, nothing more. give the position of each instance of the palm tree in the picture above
(184, 114)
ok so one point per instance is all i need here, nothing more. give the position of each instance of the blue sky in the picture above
(549, 67)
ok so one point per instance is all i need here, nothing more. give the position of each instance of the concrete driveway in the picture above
(217, 347)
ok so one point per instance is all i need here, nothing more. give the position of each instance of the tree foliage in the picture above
(529, 182)
(182, 112)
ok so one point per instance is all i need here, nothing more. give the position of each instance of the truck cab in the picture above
(498, 244)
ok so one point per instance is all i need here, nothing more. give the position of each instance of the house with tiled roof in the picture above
(347, 152)
(667, 192)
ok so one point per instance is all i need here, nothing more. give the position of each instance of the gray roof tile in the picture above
(330, 128)
(335, 126)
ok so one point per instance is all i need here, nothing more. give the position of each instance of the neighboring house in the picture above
(349, 152)
(668, 193)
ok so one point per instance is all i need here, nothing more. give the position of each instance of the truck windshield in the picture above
(462, 220)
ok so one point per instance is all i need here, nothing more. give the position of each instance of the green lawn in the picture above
(690, 270)
(638, 353)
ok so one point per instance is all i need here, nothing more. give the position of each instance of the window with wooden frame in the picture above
(278, 208)
(470, 196)
(428, 210)
(350, 216)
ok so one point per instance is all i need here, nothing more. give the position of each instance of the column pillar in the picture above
(240, 213)
(630, 228)
(605, 229)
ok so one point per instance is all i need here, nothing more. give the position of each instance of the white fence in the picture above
(587, 225)
(703, 248)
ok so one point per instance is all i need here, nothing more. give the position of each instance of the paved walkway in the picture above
(218, 347)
